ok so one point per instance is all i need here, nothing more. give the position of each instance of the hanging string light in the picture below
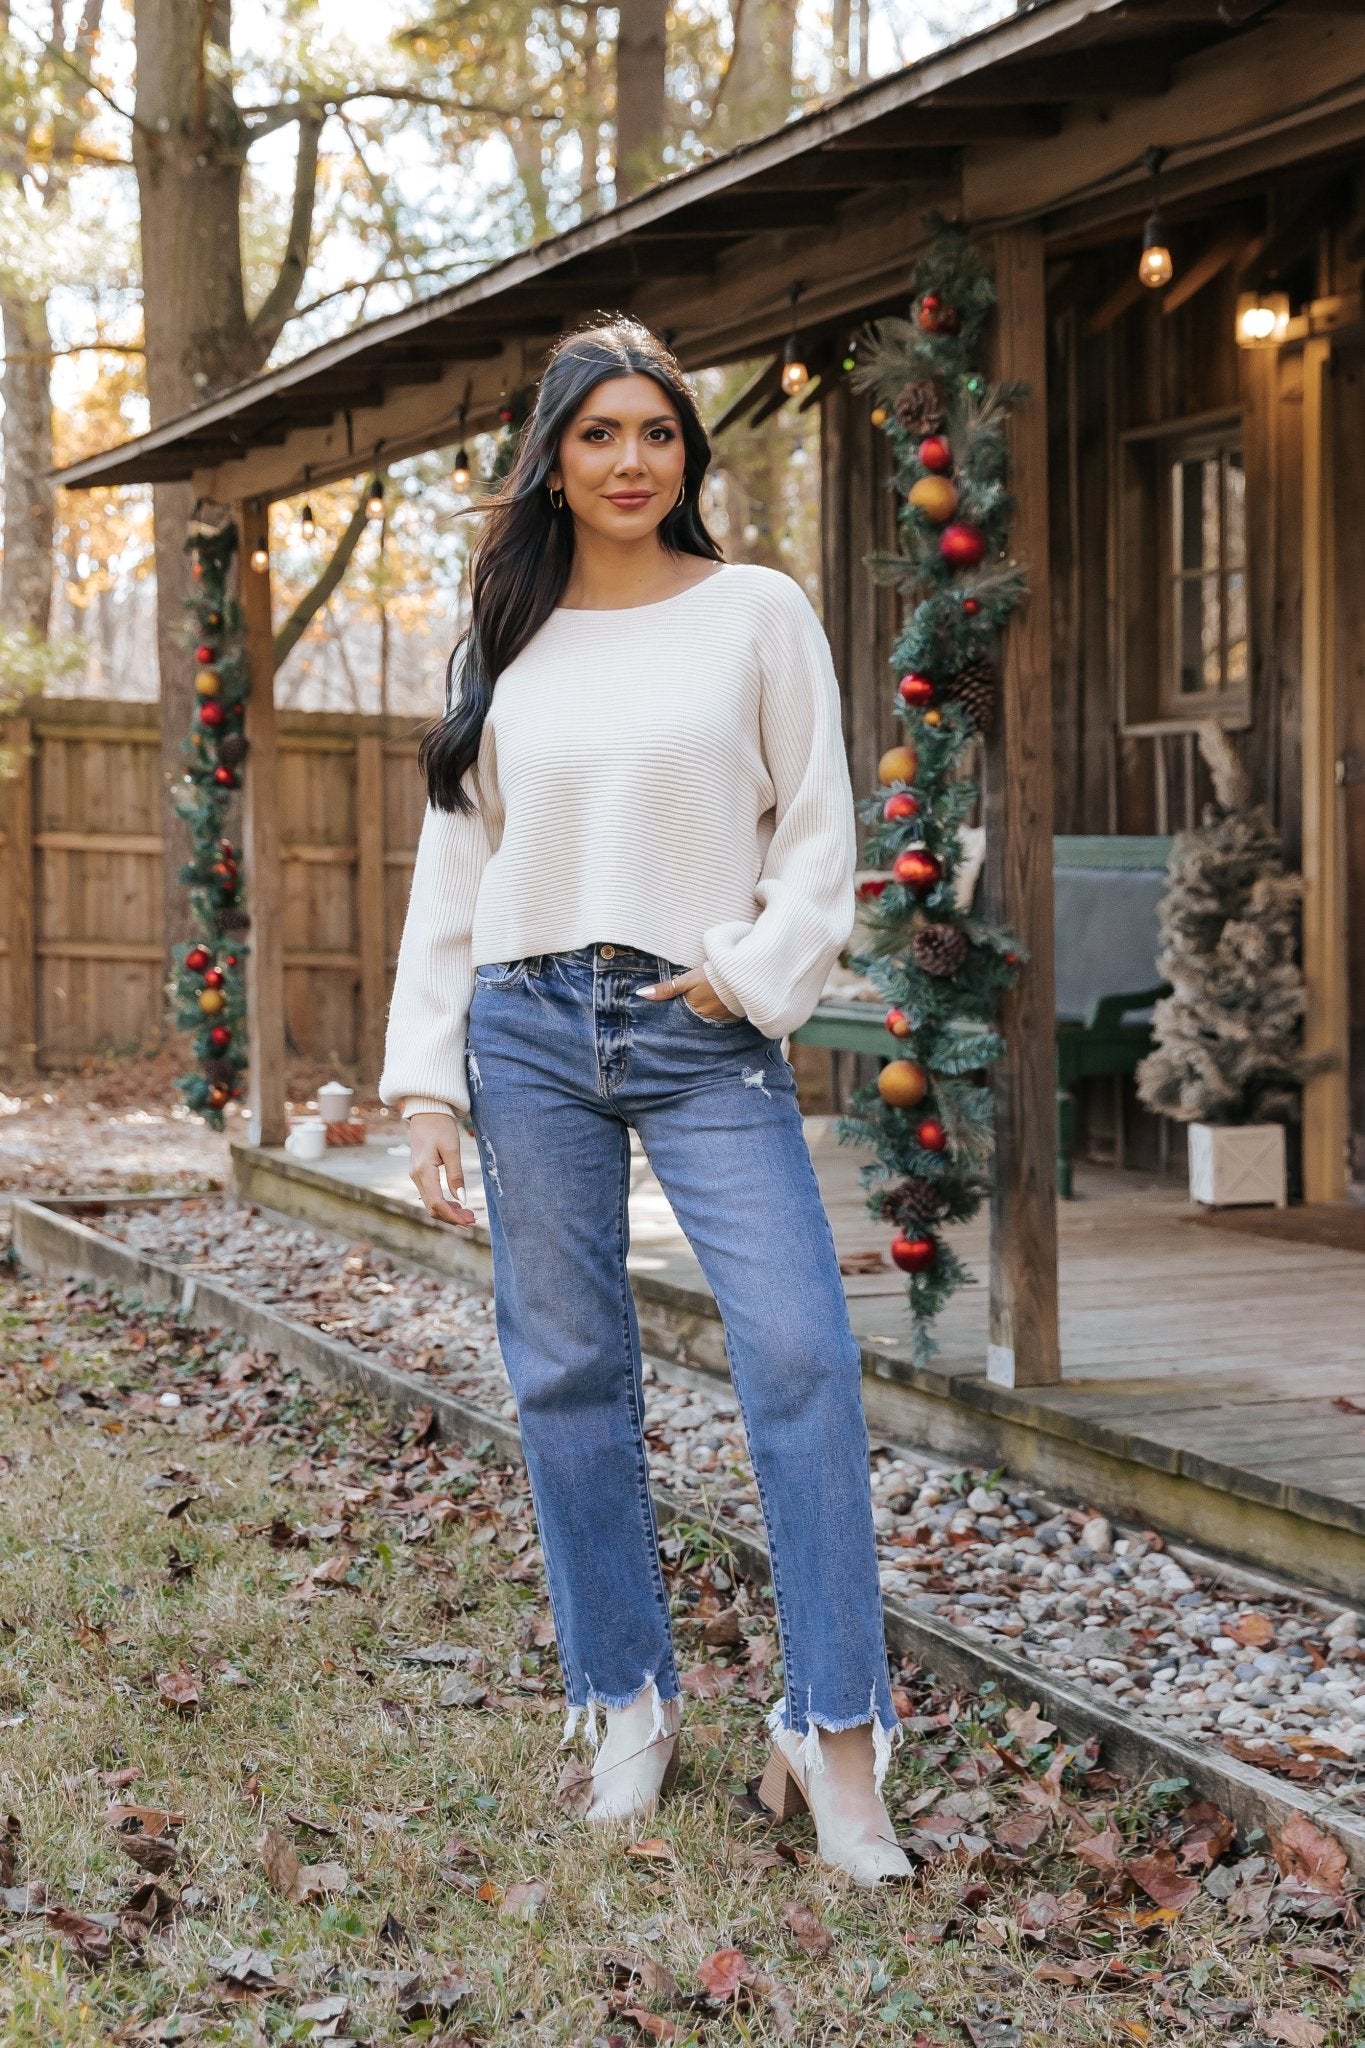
(1155, 267)
(260, 559)
(374, 502)
(462, 471)
(795, 375)
(307, 523)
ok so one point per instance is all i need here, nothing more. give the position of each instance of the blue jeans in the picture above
(563, 1057)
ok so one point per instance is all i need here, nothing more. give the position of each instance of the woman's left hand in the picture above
(693, 984)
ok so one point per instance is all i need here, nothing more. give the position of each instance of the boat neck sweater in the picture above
(670, 776)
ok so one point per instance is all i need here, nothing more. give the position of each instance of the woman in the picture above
(615, 930)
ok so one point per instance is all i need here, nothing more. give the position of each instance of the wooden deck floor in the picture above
(1189, 1350)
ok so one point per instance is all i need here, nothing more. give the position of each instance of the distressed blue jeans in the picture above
(563, 1057)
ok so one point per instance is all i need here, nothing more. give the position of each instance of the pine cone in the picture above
(920, 408)
(941, 949)
(973, 687)
(232, 749)
(232, 921)
(914, 1204)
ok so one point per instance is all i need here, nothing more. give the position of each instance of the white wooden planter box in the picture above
(1236, 1165)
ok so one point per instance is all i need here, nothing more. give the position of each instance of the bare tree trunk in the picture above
(30, 500)
(189, 151)
(641, 55)
(756, 93)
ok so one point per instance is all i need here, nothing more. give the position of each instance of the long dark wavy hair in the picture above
(521, 560)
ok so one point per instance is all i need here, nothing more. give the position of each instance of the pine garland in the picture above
(942, 969)
(209, 978)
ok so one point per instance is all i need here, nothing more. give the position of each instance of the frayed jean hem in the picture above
(887, 1737)
(616, 1703)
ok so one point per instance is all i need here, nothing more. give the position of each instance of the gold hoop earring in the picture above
(557, 502)
(682, 497)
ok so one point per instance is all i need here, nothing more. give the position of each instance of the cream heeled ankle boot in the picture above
(867, 1850)
(637, 1759)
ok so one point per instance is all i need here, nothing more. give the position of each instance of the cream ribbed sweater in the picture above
(670, 776)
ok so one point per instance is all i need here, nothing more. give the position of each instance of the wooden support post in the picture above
(1024, 1350)
(20, 927)
(261, 850)
(370, 921)
(1325, 1118)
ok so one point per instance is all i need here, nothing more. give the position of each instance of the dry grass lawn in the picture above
(210, 1578)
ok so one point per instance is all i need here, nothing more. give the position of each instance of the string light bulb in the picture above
(462, 471)
(307, 523)
(795, 375)
(1155, 267)
(260, 558)
(374, 502)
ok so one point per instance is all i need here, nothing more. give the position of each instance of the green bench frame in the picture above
(1104, 1042)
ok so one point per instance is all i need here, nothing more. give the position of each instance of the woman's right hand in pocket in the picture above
(434, 1142)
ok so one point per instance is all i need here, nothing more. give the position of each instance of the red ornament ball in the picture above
(204, 654)
(227, 849)
(929, 307)
(932, 1135)
(231, 960)
(916, 689)
(197, 959)
(868, 891)
(220, 1037)
(211, 714)
(914, 1254)
(214, 978)
(898, 1024)
(962, 544)
(225, 778)
(901, 805)
(1011, 959)
(218, 1096)
(226, 873)
(935, 453)
(918, 868)
(949, 320)
(971, 606)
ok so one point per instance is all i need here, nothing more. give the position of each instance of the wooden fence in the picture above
(81, 964)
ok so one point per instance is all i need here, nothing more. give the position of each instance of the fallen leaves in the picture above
(1294, 2029)
(807, 1930)
(1302, 1851)
(179, 1689)
(1164, 1883)
(301, 1883)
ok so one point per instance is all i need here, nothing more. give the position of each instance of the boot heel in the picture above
(779, 1789)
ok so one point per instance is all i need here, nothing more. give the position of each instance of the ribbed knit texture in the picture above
(670, 776)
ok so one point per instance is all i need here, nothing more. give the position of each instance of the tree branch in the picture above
(280, 300)
(312, 601)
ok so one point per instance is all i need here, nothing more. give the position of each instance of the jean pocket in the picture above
(715, 1023)
(502, 973)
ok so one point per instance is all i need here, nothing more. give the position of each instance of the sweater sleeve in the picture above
(434, 980)
(773, 968)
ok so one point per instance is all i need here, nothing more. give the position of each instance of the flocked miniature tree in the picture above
(942, 968)
(1229, 1036)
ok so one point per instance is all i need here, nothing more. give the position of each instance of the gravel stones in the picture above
(1113, 1613)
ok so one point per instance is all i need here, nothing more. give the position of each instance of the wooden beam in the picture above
(1024, 1349)
(1325, 1113)
(1125, 294)
(1238, 245)
(267, 1122)
(20, 927)
(370, 920)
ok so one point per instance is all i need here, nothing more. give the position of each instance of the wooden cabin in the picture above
(1188, 476)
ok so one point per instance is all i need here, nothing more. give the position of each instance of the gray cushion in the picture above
(1106, 933)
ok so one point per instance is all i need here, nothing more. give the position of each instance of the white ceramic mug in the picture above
(334, 1100)
(308, 1139)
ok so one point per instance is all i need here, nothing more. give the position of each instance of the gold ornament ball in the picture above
(211, 1001)
(933, 718)
(935, 497)
(902, 1084)
(898, 764)
(879, 415)
(208, 682)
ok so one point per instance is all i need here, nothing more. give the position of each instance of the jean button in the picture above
(608, 952)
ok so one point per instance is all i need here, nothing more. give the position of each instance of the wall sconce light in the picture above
(374, 503)
(1155, 267)
(1262, 318)
(795, 375)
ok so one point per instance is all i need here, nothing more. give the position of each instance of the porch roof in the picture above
(1045, 114)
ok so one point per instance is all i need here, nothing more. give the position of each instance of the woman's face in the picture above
(621, 458)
